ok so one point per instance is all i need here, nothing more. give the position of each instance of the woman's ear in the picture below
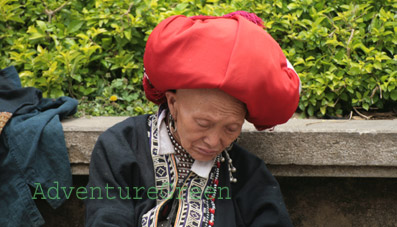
(171, 101)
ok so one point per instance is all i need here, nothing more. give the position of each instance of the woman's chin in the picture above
(201, 155)
(203, 159)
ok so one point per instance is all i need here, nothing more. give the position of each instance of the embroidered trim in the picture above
(4, 117)
(194, 208)
(184, 160)
(164, 175)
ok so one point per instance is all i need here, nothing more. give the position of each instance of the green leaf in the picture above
(339, 56)
(323, 110)
(393, 95)
(330, 96)
(292, 6)
(83, 36)
(77, 77)
(56, 93)
(310, 110)
(358, 95)
(321, 80)
(365, 106)
(42, 25)
(127, 34)
(344, 97)
(39, 49)
(354, 71)
(35, 36)
(377, 65)
(74, 26)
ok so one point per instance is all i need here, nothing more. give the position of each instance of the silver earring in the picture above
(171, 123)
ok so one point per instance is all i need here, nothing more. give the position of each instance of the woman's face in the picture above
(207, 120)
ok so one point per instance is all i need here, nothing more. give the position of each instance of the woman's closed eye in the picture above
(232, 129)
(203, 123)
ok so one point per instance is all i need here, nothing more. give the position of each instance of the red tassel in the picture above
(151, 92)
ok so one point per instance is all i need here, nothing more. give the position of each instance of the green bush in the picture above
(344, 51)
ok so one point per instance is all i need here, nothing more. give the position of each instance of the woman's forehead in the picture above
(210, 101)
(205, 96)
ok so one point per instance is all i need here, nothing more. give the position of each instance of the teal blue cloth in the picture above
(32, 150)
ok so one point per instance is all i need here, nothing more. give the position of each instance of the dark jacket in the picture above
(122, 160)
(32, 150)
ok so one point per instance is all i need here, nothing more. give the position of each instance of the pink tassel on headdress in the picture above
(249, 16)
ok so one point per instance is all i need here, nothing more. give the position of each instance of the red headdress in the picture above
(230, 53)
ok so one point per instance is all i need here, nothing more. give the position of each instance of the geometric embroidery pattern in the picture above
(193, 203)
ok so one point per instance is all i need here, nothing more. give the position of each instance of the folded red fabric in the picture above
(229, 53)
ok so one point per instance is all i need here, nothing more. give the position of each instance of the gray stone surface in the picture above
(340, 202)
(81, 135)
(355, 148)
(326, 142)
(333, 171)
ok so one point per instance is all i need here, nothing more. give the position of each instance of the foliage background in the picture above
(344, 51)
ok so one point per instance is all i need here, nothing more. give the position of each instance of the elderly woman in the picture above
(181, 166)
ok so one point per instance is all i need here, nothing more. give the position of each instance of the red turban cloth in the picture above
(230, 53)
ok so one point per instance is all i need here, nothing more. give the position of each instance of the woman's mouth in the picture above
(206, 152)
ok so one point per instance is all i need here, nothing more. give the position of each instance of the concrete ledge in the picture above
(322, 148)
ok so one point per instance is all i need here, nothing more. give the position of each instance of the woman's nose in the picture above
(213, 139)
